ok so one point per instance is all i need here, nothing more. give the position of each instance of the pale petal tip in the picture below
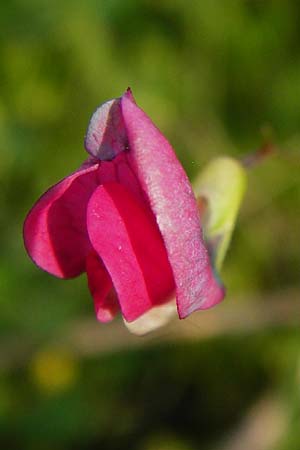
(153, 319)
(106, 135)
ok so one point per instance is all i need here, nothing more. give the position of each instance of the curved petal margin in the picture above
(55, 233)
(173, 203)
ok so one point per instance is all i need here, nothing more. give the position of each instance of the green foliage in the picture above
(211, 74)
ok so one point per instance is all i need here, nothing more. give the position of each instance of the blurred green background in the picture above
(212, 74)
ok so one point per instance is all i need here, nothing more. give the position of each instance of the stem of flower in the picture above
(253, 159)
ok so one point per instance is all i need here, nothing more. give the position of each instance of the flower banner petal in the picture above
(173, 203)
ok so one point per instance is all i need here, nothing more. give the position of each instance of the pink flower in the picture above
(128, 218)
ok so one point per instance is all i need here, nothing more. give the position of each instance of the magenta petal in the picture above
(126, 238)
(101, 288)
(55, 233)
(172, 200)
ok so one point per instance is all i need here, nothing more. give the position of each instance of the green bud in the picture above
(221, 186)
